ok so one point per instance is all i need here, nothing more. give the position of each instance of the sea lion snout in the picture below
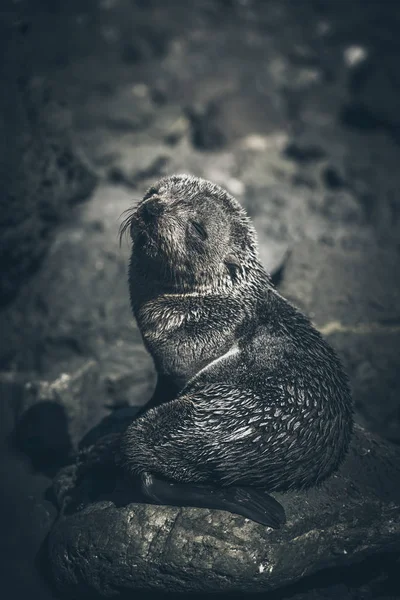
(151, 209)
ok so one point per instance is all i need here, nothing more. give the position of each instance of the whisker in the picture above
(126, 223)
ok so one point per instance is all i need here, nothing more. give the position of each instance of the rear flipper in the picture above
(248, 502)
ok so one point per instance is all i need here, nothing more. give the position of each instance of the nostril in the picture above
(151, 208)
(151, 192)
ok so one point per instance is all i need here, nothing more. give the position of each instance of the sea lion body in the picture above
(262, 401)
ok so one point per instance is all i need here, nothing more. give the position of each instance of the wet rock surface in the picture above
(105, 546)
(293, 107)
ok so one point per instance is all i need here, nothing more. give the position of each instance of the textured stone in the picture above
(206, 127)
(25, 515)
(129, 108)
(56, 414)
(354, 299)
(78, 305)
(110, 545)
(41, 173)
(128, 374)
(50, 418)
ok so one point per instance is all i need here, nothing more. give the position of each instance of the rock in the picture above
(41, 172)
(45, 420)
(56, 414)
(141, 163)
(283, 216)
(50, 418)
(78, 304)
(135, 159)
(128, 374)
(375, 84)
(206, 130)
(108, 545)
(12, 401)
(372, 175)
(128, 108)
(25, 515)
(303, 151)
(144, 45)
(354, 299)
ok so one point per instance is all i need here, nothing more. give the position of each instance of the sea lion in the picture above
(255, 399)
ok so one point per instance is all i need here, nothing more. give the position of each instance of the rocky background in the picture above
(290, 105)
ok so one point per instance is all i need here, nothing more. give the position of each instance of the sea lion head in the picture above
(191, 235)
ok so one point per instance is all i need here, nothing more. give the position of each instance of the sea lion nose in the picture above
(151, 208)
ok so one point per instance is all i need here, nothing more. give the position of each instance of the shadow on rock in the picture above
(116, 422)
(42, 434)
(93, 475)
(358, 117)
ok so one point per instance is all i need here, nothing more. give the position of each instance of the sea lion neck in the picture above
(148, 291)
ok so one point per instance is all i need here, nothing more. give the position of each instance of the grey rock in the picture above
(78, 304)
(128, 108)
(352, 287)
(25, 515)
(56, 414)
(50, 418)
(134, 159)
(145, 45)
(205, 126)
(144, 162)
(354, 299)
(374, 84)
(45, 421)
(128, 374)
(27, 404)
(372, 362)
(41, 173)
(108, 546)
(283, 216)
(12, 387)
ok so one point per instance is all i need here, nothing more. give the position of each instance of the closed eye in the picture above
(199, 229)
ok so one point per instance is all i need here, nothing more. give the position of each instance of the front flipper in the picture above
(248, 502)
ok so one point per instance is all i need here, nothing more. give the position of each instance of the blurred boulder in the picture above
(353, 297)
(54, 415)
(41, 173)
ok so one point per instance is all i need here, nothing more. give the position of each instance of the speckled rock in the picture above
(56, 414)
(107, 546)
(41, 173)
(78, 305)
(25, 515)
(50, 418)
(354, 299)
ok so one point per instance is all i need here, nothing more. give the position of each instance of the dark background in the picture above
(292, 105)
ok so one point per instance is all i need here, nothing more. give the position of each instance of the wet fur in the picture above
(263, 400)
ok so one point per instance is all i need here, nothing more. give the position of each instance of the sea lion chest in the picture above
(183, 337)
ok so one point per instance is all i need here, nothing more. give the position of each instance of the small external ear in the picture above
(233, 265)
